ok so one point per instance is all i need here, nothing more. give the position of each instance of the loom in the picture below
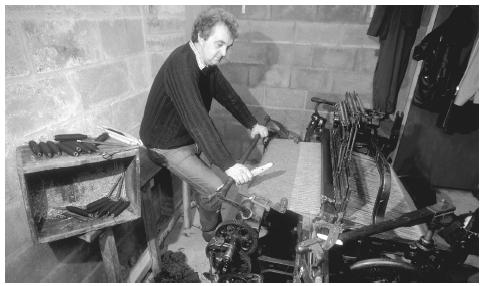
(313, 192)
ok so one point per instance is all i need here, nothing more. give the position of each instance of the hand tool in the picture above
(102, 137)
(122, 136)
(91, 206)
(109, 155)
(54, 148)
(34, 147)
(83, 147)
(104, 143)
(76, 216)
(111, 203)
(90, 146)
(45, 149)
(107, 206)
(110, 211)
(261, 169)
(75, 212)
(70, 137)
(98, 201)
(104, 209)
(121, 208)
(72, 146)
(78, 211)
(67, 149)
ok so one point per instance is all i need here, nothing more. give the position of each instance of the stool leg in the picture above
(109, 254)
(186, 204)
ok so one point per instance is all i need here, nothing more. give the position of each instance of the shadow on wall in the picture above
(246, 69)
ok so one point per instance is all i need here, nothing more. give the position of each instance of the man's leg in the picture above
(185, 164)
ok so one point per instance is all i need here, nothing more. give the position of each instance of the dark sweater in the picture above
(177, 109)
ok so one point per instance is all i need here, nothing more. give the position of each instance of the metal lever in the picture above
(430, 213)
(246, 213)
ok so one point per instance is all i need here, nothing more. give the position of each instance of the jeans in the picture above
(186, 163)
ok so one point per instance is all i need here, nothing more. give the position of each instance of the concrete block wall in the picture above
(70, 69)
(285, 55)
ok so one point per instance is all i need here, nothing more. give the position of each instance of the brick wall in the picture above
(70, 69)
(287, 54)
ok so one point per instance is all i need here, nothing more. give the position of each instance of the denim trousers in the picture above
(191, 166)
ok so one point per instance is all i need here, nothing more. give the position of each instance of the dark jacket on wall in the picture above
(445, 52)
(396, 27)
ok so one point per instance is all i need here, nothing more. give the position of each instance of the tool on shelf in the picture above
(108, 205)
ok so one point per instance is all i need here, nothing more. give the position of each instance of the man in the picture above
(176, 125)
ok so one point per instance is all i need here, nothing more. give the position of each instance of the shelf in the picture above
(31, 164)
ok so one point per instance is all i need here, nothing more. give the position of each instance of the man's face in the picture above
(214, 49)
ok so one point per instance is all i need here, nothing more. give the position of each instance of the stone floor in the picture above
(190, 242)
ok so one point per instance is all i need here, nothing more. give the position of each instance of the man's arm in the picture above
(227, 96)
(186, 97)
(184, 93)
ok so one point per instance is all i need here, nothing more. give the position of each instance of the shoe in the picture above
(207, 235)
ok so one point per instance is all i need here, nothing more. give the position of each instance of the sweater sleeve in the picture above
(186, 97)
(227, 96)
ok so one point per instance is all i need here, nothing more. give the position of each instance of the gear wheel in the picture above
(240, 263)
(246, 236)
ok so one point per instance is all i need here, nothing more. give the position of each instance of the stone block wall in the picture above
(70, 69)
(285, 55)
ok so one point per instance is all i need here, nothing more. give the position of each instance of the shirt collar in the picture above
(200, 61)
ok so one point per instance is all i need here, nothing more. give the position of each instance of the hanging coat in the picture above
(445, 53)
(396, 27)
(462, 116)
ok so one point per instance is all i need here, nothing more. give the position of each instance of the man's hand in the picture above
(259, 129)
(239, 173)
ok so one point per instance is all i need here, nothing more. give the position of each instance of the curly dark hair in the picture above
(207, 19)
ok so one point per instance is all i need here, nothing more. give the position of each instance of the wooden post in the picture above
(110, 256)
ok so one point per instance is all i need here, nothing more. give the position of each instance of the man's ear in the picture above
(199, 38)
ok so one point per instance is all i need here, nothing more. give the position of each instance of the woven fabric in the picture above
(296, 175)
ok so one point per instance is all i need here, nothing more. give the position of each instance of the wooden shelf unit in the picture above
(50, 183)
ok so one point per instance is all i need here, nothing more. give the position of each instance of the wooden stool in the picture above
(186, 204)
